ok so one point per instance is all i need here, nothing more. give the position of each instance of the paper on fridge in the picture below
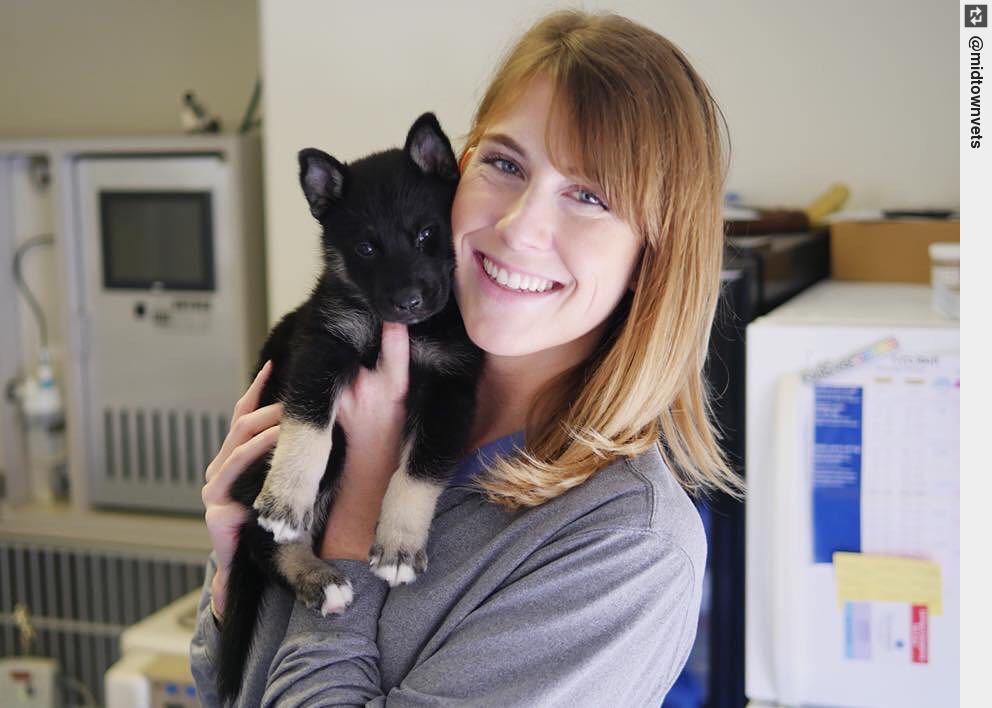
(862, 576)
(885, 457)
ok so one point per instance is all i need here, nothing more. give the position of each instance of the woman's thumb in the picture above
(394, 356)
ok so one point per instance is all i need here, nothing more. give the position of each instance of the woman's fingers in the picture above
(249, 400)
(218, 486)
(225, 516)
(245, 405)
(243, 429)
(394, 357)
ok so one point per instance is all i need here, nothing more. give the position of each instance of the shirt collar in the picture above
(472, 463)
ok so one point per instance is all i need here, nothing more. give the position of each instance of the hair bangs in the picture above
(589, 135)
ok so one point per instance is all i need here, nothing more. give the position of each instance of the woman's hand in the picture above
(372, 412)
(252, 433)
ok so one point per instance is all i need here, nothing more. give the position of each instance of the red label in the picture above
(918, 631)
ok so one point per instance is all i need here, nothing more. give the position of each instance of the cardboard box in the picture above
(892, 251)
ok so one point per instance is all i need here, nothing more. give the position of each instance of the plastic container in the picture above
(44, 427)
(945, 278)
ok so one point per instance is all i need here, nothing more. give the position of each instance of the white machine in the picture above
(853, 399)
(169, 338)
(161, 285)
(153, 671)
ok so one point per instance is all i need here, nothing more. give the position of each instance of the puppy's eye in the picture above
(424, 236)
(365, 249)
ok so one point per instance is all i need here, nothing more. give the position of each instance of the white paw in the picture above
(285, 519)
(281, 530)
(336, 598)
(395, 573)
(396, 566)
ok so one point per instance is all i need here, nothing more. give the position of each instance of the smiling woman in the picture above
(594, 162)
(587, 235)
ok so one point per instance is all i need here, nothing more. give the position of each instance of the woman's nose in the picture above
(528, 222)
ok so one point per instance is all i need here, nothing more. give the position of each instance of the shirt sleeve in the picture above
(603, 617)
(204, 645)
(313, 648)
(332, 660)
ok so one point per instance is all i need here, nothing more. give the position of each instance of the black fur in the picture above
(386, 200)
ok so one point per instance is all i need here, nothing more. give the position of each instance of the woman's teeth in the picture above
(516, 281)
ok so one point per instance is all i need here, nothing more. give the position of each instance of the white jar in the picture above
(945, 278)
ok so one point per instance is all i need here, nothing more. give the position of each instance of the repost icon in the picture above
(975, 16)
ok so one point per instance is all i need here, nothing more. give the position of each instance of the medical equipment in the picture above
(153, 671)
(161, 288)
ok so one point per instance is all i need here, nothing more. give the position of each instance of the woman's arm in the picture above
(253, 431)
(352, 650)
(605, 617)
(358, 632)
(353, 633)
(371, 410)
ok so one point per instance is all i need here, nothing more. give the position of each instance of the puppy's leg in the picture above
(319, 372)
(319, 585)
(429, 457)
(408, 506)
(285, 503)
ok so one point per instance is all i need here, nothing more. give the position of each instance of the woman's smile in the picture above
(509, 284)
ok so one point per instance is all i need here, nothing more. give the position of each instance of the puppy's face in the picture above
(387, 221)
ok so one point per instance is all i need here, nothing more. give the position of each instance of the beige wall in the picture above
(814, 92)
(865, 93)
(105, 67)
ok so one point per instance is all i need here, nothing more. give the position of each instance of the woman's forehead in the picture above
(536, 120)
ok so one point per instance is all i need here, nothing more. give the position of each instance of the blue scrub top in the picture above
(472, 463)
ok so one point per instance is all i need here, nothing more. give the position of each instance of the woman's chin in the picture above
(494, 339)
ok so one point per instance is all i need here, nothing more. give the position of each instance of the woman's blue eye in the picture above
(501, 164)
(587, 197)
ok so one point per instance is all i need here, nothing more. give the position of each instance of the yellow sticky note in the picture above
(863, 576)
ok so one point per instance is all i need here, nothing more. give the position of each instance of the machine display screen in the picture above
(157, 239)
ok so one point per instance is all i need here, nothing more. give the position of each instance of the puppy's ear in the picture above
(430, 149)
(322, 178)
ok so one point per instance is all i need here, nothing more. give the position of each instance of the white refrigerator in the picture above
(853, 493)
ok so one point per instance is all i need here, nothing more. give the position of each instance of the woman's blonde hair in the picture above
(642, 125)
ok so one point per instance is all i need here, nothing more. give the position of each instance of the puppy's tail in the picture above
(245, 586)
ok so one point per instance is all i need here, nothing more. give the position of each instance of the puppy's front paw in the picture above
(285, 522)
(397, 564)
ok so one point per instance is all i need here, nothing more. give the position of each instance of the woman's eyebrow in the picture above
(573, 172)
(506, 140)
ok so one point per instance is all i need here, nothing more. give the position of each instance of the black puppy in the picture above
(388, 256)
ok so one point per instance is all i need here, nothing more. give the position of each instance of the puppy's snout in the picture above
(408, 300)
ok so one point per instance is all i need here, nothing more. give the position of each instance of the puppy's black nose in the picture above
(408, 300)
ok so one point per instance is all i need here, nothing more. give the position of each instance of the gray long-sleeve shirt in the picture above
(591, 599)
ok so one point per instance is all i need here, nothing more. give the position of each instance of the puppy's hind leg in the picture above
(319, 585)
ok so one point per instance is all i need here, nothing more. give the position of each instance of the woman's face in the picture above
(563, 257)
